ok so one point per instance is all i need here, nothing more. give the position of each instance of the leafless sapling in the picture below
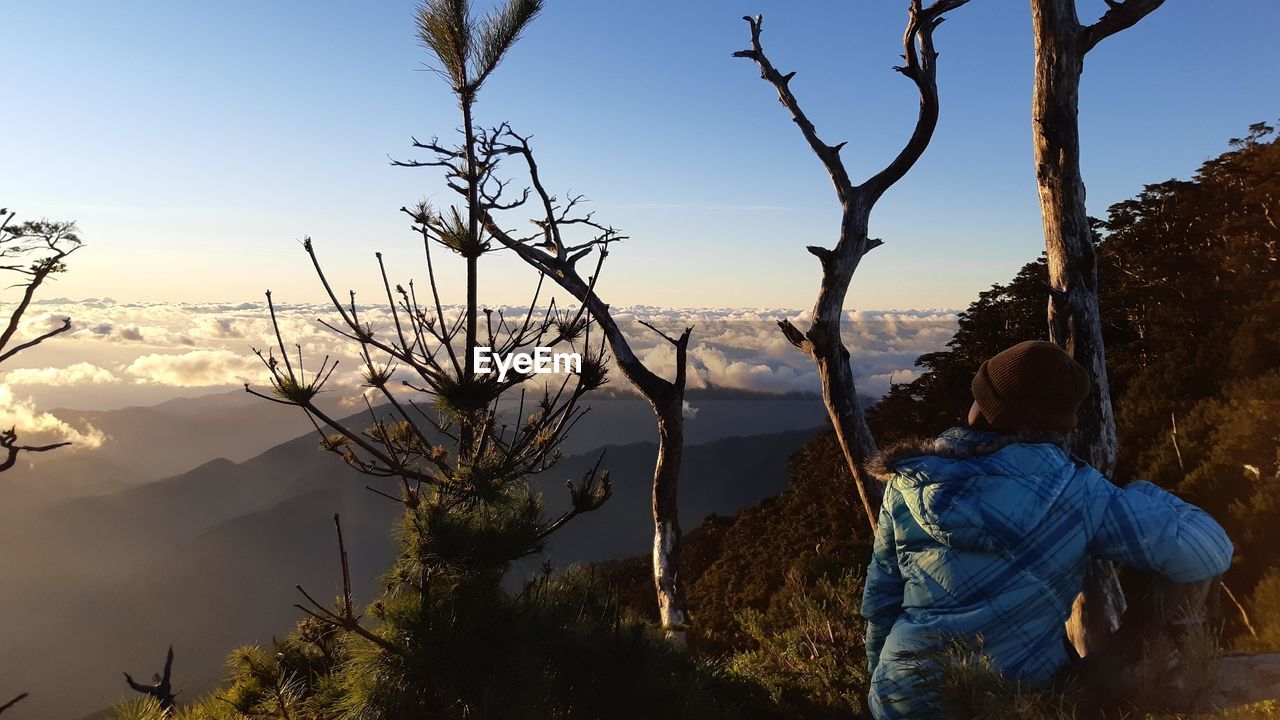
(562, 236)
(822, 341)
(550, 250)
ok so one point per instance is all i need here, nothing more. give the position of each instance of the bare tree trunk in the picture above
(1073, 314)
(822, 341)
(1074, 320)
(666, 397)
(666, 521)
(1096, 611)
(824, 344)
(548, 252)
(667, 400)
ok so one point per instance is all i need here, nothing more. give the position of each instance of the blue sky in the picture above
(197, 143)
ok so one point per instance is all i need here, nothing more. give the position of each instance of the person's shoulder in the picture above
(887, 462)
(961, 452)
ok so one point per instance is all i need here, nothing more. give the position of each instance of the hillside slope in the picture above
(208, 560)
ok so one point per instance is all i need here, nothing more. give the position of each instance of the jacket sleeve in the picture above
(882, 592)
(1147, 528)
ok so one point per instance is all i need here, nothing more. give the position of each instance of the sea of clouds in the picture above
(118, 351)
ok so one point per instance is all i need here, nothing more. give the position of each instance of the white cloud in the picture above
(81, 373)
(208, 344)
(197, 368)
(690, 412)
(35, 427)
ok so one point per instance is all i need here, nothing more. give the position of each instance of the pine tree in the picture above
(447, 638)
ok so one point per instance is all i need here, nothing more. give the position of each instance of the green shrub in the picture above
(808, 653)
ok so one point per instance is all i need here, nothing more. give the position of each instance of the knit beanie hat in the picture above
(1033, 385)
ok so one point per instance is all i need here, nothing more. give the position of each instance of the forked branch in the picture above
(64, 327)
(828, 154)
(822, 340)
(920, 66)
(681, 344)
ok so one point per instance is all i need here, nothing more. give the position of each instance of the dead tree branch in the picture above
(549, 250)
(12, 702)
(161, 688)
(35, 250)
(1120, 15)
(9, 440)
(1244, 614)
(822, 341)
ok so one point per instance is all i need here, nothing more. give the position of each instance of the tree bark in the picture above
(666, 521)
(1074, 318)
(1073, 314)
(666, 397)
(824, 344)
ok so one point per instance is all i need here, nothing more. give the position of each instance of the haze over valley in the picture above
(133, 556)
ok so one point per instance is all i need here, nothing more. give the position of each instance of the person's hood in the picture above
(977, 490)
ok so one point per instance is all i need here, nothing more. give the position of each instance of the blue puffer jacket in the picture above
(984, 535)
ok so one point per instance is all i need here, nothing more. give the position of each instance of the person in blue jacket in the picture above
(985, 532)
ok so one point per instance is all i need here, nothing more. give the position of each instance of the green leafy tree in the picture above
(1192, 329)
(940, 397)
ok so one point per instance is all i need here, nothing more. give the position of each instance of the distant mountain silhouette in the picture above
(149, 443)
(208, 559)
(158, 441)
